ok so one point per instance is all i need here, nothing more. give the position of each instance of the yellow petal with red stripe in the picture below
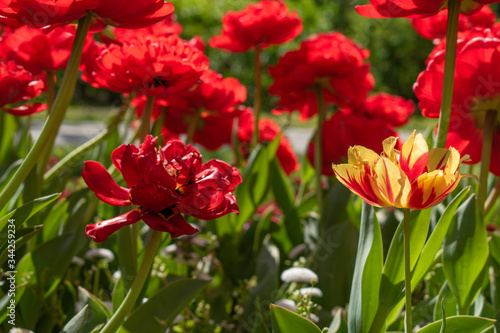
(392, 182)
(431, 189)
(414, 155)
(360, 181)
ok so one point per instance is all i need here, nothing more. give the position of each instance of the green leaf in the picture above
(465, 253)
(286, 321)
(253, 189)
(23, 213)
(157, 314)
(333, 260)
(22, 235)
(460, 324)
(98, 312)
(284, 195)
(392, 285)
(77, 323)
(449, 303)
(363, 303)
(435, 241)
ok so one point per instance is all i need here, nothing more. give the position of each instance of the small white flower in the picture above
(299, 274)
(77, 261)
(19, 330)
(287, 304)
(117, 275)
(312, 317)
(100, 255)
(314, 292)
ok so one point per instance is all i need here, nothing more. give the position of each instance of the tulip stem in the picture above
(449, 72)
(257, 101)
(146, 118)
(51, 89)
(408, 316)
(81, 150)
(132, 295)
(318, 149)
(56, 115)
(488, 129)
(192, 126)
(492, 198)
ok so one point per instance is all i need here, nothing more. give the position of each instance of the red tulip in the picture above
(416, 8)
(121, 13)
(18, 86)
(39, 51)
(330, 60)
(476, 90)
(434, 27)
(393, 110)
(150, 65)
(263, 24)
(211, 104)
(165, 183)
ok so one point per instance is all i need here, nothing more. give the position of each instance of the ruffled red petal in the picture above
(102, 184)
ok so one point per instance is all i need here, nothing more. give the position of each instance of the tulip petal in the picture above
(392, 182)
(389, 151)
(174, 224)
(359, 155)
(154, 197)
(205, 208)
(438, 159)
(414, 156)
(431, 189)
(102, 184)
(361, 183)
(101, 230)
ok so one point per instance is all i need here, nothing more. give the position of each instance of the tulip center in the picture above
(158, 82)
(481, 107)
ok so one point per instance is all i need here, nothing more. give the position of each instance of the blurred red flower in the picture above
(330, 60)
(165, 27)
(391, 109)
(416, 8)
(151, 65)
(165, 183)
(344, 130)
(476, 90)
(121, 13)
(268, 131)
(39, 51)
(18, 86)
(211, 104)
(434, 27)
(263, 24)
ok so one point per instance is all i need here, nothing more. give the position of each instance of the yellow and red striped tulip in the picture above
(416, 178)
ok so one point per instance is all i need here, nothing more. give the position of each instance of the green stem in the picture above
(408, 317)
(449, 72)
(51, 90)
(56, 115)
(488, 205)
(128, 303)
(318, 149)
(146, 118)
(192, 126)
(80, 151)
(488, 130)
(257, 102)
